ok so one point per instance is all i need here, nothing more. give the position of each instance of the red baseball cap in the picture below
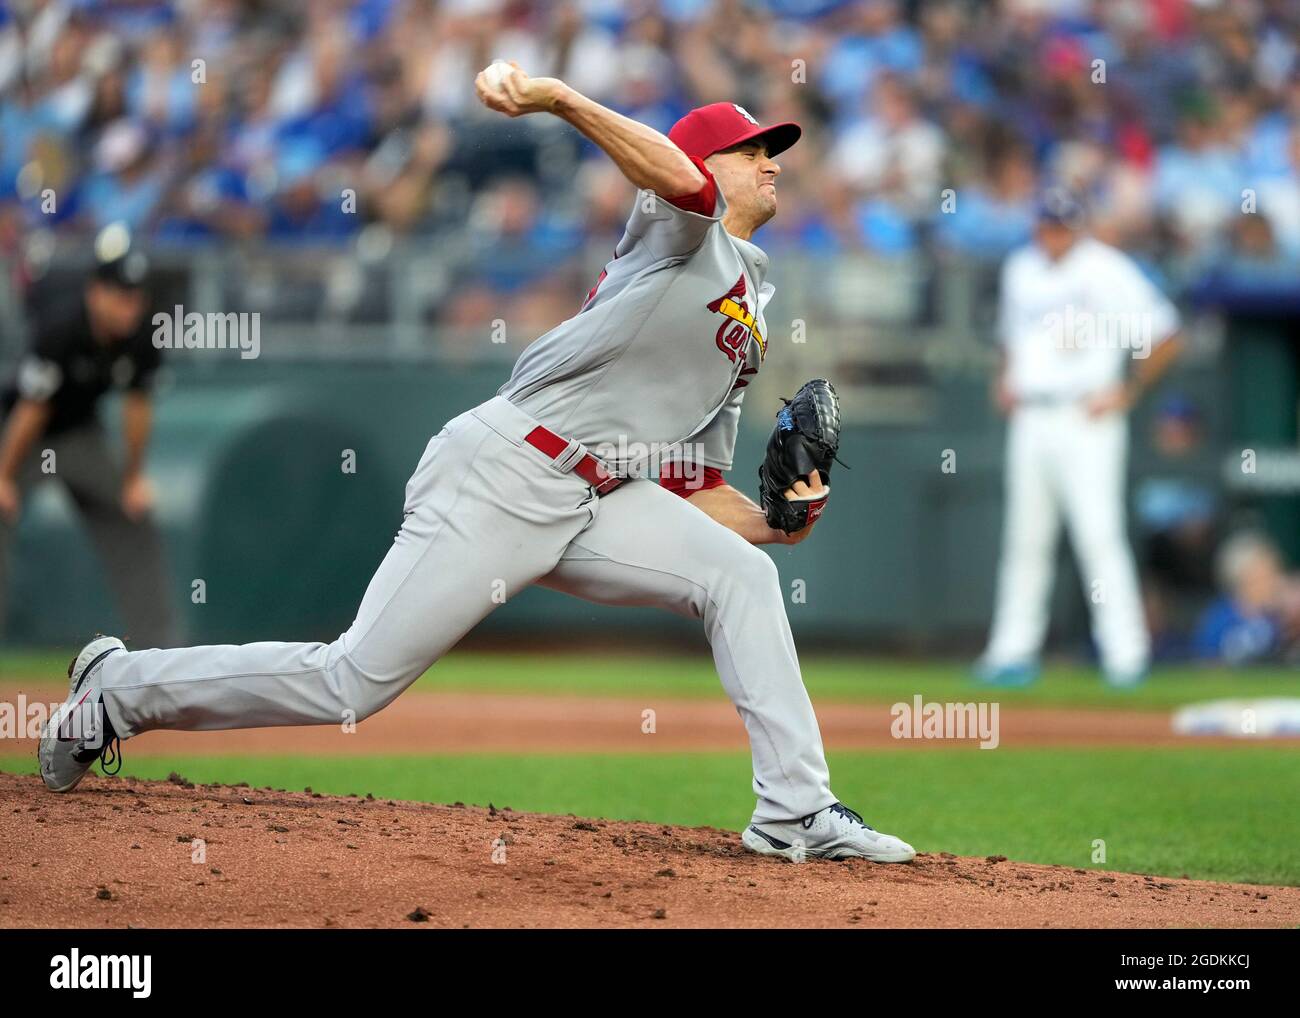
(718, 126)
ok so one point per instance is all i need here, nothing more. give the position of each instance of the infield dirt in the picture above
(122, 852)
(424, 722)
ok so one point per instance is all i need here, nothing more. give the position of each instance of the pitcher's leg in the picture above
(479, 515)
(649, 547)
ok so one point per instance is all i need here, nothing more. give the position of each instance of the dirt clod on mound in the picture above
(362, 862)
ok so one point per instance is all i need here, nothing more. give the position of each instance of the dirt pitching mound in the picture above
(124, 852)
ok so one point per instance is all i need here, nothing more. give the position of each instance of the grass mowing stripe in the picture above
(1220, 814)
(827, 677)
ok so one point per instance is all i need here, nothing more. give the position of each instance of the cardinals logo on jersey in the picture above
(738, 323)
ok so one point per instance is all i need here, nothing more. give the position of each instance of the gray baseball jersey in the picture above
(663, 346)
(660, 352)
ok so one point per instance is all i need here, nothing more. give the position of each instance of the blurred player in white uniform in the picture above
(1083, 334)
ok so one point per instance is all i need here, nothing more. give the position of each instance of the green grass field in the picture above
(1225, 813)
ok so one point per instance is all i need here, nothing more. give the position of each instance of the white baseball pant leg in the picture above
(1030, 529)
(485, 517)
(648, 546)
(1062, 463)
(1091, 474)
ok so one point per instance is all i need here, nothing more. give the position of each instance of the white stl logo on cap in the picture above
(745, 113)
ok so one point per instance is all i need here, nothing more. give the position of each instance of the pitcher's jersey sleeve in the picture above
(670, 227)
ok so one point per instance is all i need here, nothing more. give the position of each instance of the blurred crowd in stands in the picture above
(199, 119)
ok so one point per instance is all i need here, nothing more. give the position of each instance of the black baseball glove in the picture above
(806, 438)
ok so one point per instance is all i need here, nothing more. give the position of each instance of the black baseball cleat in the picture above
(79, 733)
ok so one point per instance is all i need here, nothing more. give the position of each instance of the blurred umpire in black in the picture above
(98, 339)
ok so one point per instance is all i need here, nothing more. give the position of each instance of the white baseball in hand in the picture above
(495, 74)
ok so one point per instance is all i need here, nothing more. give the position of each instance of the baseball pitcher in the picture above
(511, 492)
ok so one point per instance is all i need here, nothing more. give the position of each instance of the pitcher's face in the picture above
(746, 175)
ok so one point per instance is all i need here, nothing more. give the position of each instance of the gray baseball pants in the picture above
(486, 516)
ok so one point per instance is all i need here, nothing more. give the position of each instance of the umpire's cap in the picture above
(116, 262)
